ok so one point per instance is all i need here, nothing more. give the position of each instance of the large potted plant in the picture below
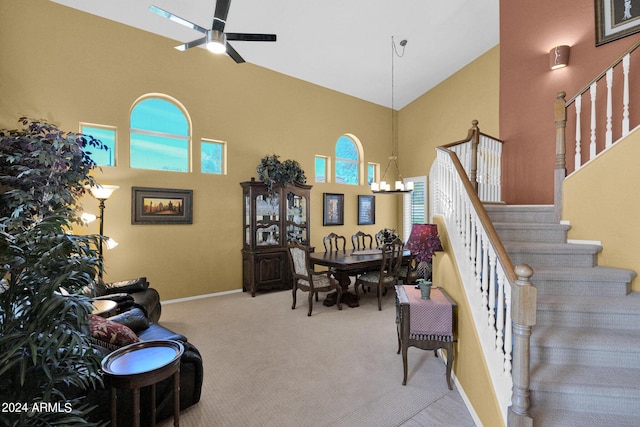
(45, 349)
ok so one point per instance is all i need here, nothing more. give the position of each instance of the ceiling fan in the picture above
(215, 39)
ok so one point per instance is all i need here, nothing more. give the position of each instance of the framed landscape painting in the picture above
(615, 19)
(161, 206)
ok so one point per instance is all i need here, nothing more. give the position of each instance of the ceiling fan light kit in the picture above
(216, 42)
(215, 39)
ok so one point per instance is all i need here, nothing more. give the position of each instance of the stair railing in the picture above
(595, 120)
(501, 297)
(481, 157)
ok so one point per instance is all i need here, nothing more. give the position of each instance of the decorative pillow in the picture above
(133, 319)
(108, 332)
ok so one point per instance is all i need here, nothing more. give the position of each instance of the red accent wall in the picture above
(528, 30)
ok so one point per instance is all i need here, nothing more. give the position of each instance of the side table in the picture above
(432, 326)
(142, 364)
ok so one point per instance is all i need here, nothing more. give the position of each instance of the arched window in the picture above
(159, 135)
(348, 155)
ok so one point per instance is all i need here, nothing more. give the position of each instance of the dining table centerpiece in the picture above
(387, 235)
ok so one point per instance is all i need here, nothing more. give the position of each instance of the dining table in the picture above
(344, 263)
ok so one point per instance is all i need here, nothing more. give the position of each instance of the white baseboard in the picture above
(216, 294)
(463, 395)
(585, 242)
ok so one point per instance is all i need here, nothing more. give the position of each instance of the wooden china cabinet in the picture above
(271, 219)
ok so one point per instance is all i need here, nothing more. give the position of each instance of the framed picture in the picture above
(366, 210)
(161, 206)
(333, 209)
(615, 19)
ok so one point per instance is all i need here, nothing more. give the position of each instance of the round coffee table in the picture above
(142, 364)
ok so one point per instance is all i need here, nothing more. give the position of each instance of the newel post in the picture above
(561, 157)
(475, 141)
(523, 314)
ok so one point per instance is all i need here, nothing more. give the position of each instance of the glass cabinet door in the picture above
(267, 219)
(297, 212)
(247, 219)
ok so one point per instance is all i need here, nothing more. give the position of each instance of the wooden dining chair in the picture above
(387, 276)
(305, 279)
(361, 240)
(334, 242)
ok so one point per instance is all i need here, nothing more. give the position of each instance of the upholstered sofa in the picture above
(131, 293)
(133, 324)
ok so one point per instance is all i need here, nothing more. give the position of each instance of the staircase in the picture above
(585, 346)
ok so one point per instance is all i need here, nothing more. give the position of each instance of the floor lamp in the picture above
(102, 193)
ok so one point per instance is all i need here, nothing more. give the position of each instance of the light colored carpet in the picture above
(268, 365)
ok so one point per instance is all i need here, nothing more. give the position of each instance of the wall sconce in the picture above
(559, 57)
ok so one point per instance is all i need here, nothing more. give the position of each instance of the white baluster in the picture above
(578, 158)
(592, 145)
(625, 95)
(609, 132)
(508, 332)
(498, 174)
(500, 312)
(492, 291)
(485, 266)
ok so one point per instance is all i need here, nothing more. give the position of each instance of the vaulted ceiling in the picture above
(344, 45)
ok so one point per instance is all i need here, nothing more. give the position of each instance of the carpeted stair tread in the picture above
(584, 380)
(598, 339)
(521, 213)
(555, 418)
(551, 248)
(592, 274)
(530, 225)
(628, 304)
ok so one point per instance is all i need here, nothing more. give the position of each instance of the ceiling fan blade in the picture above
(220, 15)
(251, 37)
(234, 55)
(191, 44)
(170, 16)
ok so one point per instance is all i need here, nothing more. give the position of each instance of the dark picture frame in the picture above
(366, 210)
(161, 206)
(615, 19)
(333, 209)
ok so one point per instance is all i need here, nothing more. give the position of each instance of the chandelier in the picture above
(383, 187)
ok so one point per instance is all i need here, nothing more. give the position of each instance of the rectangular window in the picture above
(106, 135)
(415, 205)
(372, 172)
(214, 157)
(322, 168)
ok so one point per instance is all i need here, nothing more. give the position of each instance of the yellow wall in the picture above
(469, 365)
(444, 114)
(600, 203)
(441, 116)
(69, 67)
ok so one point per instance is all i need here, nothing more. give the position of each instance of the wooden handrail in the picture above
(602, 74)
(505, 290)
(486, 222)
